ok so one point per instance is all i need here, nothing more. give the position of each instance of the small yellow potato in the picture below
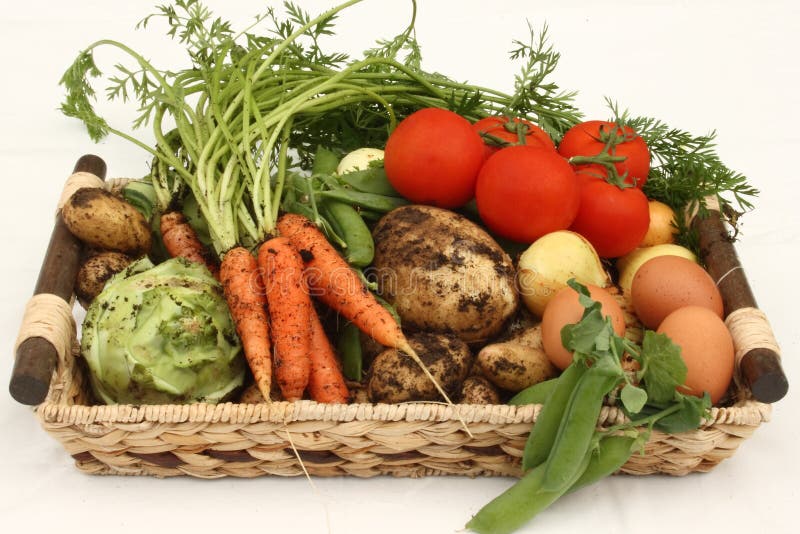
(530, 337)
(512, 366)
(662, 227)
(104, 221)
(547, 265)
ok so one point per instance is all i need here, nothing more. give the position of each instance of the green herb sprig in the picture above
(686, 171)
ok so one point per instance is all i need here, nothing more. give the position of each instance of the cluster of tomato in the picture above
(523, 184)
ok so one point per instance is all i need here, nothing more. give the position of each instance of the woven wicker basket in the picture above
(411, 440)
(249, 440)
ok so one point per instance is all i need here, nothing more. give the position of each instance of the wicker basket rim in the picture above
(748, 413)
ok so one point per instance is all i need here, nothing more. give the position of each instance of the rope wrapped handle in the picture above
(48, 327)
(78, 180)
(758, 361)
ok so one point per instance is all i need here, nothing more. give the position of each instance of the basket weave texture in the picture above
(364, 440)
(283, 438)
(411, 440)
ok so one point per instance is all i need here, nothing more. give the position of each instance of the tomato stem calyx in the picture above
(608, 162)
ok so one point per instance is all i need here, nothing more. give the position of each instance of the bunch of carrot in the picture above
(270, 303)
(223, 131)
(269, 297)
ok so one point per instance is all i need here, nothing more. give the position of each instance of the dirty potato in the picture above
(104, 221)
(95, 272)
(395, 377)
(443, 273)
(517, 363)
(478, 390)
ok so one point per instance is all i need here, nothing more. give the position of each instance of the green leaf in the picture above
(664, 369)
(582, 336)
(602, 342)
(691, 413)
(582, 290)
(634, 398)
(325, 161)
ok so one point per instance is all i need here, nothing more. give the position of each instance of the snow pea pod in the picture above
(371, 216)
(371, 180)
(578, 424)
(349, 346)
(360, 248)
(544, 430)
(368, 201)
(535, 394)
(611, 454)
(518, 504)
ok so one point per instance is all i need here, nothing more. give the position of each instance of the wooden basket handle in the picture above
(758, 358)
(37, 357)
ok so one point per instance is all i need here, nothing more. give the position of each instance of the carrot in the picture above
(333, 282)
(244, 293)
(181, 240)
(290, 310)
(326, 383)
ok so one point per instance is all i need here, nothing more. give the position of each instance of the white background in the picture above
(728, 66)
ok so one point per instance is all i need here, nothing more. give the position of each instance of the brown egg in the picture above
(563, 309)
(706, 347)
(665, 283)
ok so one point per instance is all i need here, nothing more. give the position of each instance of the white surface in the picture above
(729, 66)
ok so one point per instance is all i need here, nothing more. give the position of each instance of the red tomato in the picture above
(525, 192)
(433, 157)
(613, 220)
(590, 139)
(498, 127)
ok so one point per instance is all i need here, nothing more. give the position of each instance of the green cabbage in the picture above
(162, 335)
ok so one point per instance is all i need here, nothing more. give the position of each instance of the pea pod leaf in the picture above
(664, 368)
(583, 335)
(633, 398)
(691, 413)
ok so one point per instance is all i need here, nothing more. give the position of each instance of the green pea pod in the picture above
(349, 346)
(368, 201)
(518, 504)
(142, 196)
(332, 233)
(371, 216)
(535, 394)
(158, 252)
(544, 430)
(325, 161)
(611, 454)
(578, 424)
(332, 221)
(360, 248)
(371, 180)
(391, 309)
